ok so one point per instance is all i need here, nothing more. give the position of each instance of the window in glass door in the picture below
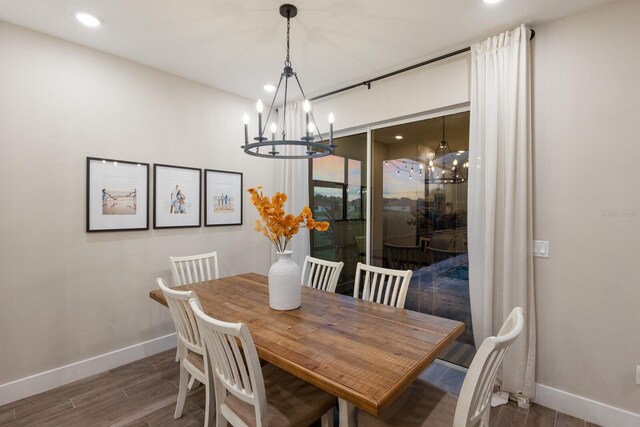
(419, 217)
(337, 194)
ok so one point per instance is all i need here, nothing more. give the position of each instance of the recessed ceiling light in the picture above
(88, 19)
(269, 88)
(491, 1)
(398, 136)
(460, 151)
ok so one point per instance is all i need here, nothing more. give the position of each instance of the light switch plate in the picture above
(638, 374)
(541, 248)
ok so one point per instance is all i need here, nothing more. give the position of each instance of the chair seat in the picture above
(421, 404)
(291, 401)
(196, 360)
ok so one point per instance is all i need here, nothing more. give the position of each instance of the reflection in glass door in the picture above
(419, 217)
(337, 194)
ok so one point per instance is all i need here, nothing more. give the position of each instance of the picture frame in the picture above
(223, 198)
(117, 195)
(177, 196)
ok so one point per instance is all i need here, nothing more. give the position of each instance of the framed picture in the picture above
(176, 196)
(117, 195)
(223, 197)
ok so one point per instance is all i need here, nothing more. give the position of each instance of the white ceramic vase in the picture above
(284, 283)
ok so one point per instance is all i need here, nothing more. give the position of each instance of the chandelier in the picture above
(274, 148)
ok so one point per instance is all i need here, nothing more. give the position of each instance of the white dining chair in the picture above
(247, 394)
(194, 268)
(191, 269)
(321, 274)
(425, 405)
(191, 348)
(381, 285)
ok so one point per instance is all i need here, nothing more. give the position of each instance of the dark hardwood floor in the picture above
(143, 393)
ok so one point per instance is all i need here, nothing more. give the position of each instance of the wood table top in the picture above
(363, 352)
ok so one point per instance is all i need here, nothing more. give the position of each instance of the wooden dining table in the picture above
(364, 353)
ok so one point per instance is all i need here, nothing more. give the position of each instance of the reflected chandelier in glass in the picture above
(438, 165)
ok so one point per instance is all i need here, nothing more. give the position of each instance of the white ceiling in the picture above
(239, 45)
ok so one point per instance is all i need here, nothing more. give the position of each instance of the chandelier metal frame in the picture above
(313, 149)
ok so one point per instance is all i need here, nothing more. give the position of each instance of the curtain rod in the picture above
(367, 83)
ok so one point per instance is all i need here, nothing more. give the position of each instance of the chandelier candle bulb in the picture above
(307, 107)
(273, 129)
(331, 119)
(245, 119)
(259, 107)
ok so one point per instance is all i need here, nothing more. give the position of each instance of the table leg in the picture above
(347, 413)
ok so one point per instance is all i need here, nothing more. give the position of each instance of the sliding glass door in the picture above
(419, 216)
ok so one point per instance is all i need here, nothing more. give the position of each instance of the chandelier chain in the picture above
(287, 61)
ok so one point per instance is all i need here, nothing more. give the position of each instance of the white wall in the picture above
(586, 158)
(67, 295)
(417, 91)
(587, 197)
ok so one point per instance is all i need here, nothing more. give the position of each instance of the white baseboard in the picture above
(581, 407)
(43, 381)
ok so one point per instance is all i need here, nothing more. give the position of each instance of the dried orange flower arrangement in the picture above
(278, 226)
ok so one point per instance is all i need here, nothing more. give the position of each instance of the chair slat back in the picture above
(475, 395)
(194, 268)
(321, 274)
(381, 285)
(233, 359)
(183, 317)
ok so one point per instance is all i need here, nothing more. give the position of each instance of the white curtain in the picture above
(500, 201)
(292, 178)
